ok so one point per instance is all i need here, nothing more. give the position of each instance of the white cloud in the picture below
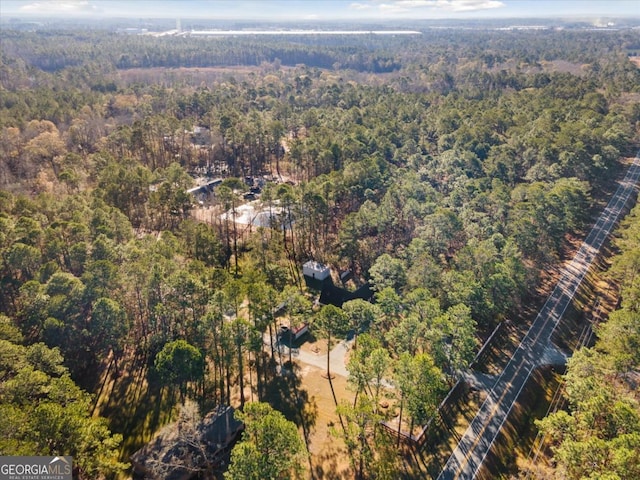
(360, 6)
(393, 8)
(417, 3)
(470, 5)
(452, 5)
(433, 6)
(60, 7)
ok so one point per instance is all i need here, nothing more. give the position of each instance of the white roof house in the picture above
(317, 270)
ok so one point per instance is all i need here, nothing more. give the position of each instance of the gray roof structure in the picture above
(182, 451)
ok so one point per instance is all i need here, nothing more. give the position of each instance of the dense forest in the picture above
(450, 171)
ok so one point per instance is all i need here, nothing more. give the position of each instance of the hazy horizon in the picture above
(332, 10)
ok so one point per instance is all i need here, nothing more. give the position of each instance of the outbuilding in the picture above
(315, 270)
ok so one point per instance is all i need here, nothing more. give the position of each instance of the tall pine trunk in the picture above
(333, 392)
(400, 420)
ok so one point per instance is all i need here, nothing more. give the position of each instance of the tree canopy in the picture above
(45, 413)
(270, 447)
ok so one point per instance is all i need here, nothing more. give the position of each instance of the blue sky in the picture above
(322, 9)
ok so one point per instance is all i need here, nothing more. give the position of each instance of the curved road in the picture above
(475, 444)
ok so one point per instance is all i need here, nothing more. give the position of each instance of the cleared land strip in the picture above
(475, 444)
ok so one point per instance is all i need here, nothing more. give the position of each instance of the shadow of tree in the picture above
(326, 467)
(284, 393)
(136, 403)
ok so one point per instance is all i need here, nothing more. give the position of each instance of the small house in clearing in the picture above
(292, 333)
(315, 270)
(317, 276)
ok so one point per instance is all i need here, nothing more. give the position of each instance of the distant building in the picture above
(202, 192)
(133, 31)
(200, 135)
(294, 333)
(181, 452)
(317, 276)
(315, 270)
